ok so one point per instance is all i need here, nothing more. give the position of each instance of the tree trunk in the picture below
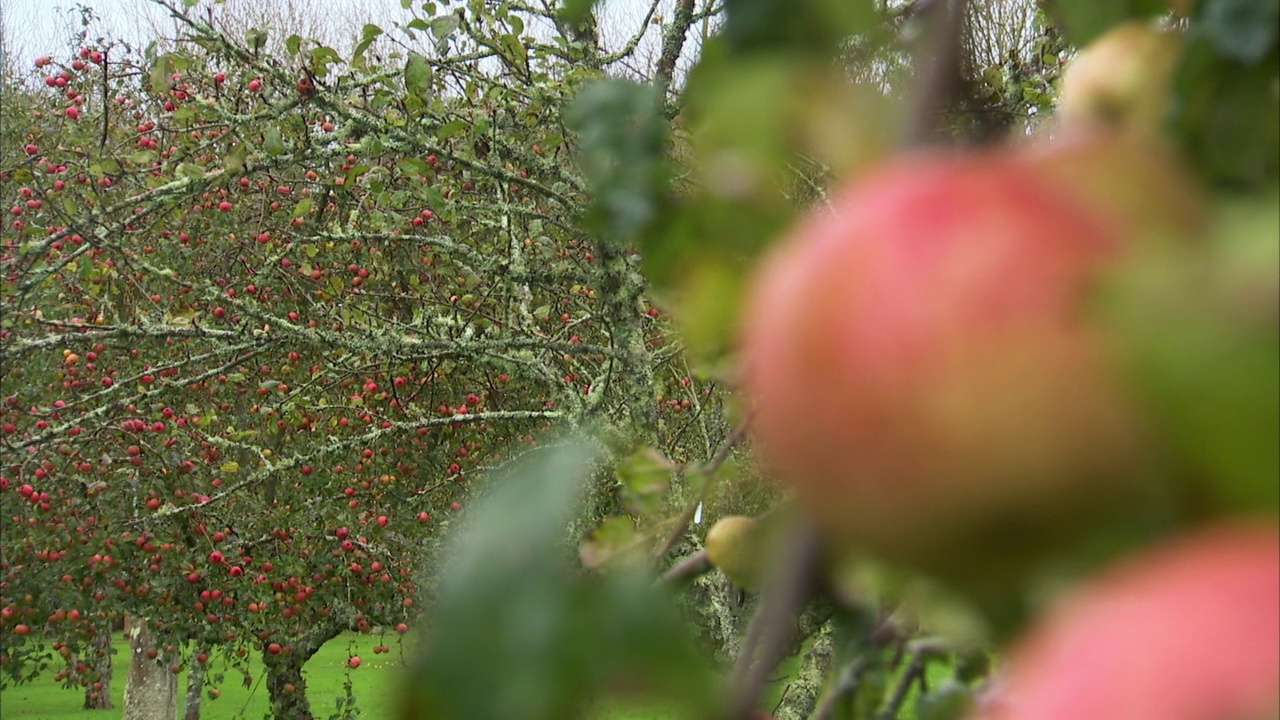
(150, 690)
(195, 687)
(285, 684)
(97, 695)
(288, 689)
(806, 687)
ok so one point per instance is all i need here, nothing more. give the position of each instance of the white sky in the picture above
(45, 27)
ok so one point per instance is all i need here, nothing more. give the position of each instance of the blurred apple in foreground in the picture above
(1190, 631)
(1122, 80)
(1135, 182)
(925, 370)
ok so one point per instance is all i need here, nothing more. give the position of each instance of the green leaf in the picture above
(444, 26)
(293, 44)
(950, 700)
(449, 129)
(255, 38)
(354, 174)
(322, 58)
(645, 477)
(516, 632)
(162, 74)
(1084, 20)
(233, 162)
(514, 50)
(794, 26)
(417, 76)
(434, 198)
(1243, 30)
(303, 207)
(615, 538)
(576, 11)
(367, 36)
(415, 166)
(1198, 325)
(273, 141)
(1226, 115)
(622, 135)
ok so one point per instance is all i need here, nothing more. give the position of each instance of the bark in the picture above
(288, 689)
(99, 662)
(195, 686)
(151, 689)
(806, 687)
(673, 38)
(286, 686)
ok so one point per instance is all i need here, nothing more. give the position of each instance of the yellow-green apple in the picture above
(735, 546)
(1122, 80)
(1188, 631)
(925, 369)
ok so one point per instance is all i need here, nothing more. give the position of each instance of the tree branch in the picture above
(939, 72)
(794, 582)
(673, 38)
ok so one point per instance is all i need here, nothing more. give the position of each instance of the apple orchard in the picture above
(455, 329)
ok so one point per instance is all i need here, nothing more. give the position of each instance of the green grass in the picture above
(373, 683)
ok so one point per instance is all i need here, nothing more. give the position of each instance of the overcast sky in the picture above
(45, 27)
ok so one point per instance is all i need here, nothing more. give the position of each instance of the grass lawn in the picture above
(374, 684)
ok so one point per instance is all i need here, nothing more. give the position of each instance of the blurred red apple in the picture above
(923, 366)
(1190, 631)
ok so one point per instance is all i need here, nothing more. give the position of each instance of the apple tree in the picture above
(268, 320)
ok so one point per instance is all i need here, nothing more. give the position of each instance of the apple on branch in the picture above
(926, 370)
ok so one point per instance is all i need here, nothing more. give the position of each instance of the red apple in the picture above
(922, 365)
(1189, 631)
(353, 662)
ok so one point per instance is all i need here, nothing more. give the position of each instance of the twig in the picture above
(939, 72)
(920, 653)
(847, 684)
(689, 567)
(793, 583)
